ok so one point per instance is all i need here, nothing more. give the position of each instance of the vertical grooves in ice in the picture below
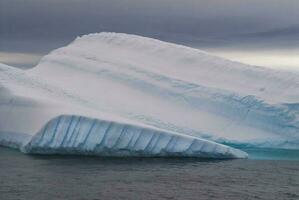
(81, 135)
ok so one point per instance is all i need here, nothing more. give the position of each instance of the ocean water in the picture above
(76, 177)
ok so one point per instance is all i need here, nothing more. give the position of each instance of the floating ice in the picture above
(147, 88)
(81, 135)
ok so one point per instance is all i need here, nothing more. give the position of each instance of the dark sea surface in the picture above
(76, 177)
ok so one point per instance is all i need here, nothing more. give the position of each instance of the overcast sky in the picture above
(66, 18)
(38, 26)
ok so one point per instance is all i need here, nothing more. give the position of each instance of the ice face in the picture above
(82, 135)
(143, 82)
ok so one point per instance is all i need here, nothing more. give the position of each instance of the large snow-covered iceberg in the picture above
(125, 95)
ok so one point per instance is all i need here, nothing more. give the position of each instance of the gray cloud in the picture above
(39, 26)
(53, 19)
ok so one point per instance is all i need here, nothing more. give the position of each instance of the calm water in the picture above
(60, 177)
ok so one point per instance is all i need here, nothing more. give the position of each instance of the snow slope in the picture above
(37, 117)
(146, 84)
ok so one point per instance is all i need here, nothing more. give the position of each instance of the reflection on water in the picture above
(74, 177)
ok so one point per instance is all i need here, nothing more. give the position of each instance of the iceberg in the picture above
(114, 94)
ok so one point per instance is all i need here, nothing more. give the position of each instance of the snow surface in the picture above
(173, 100)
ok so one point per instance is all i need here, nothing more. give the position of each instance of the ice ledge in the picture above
(69, 134)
